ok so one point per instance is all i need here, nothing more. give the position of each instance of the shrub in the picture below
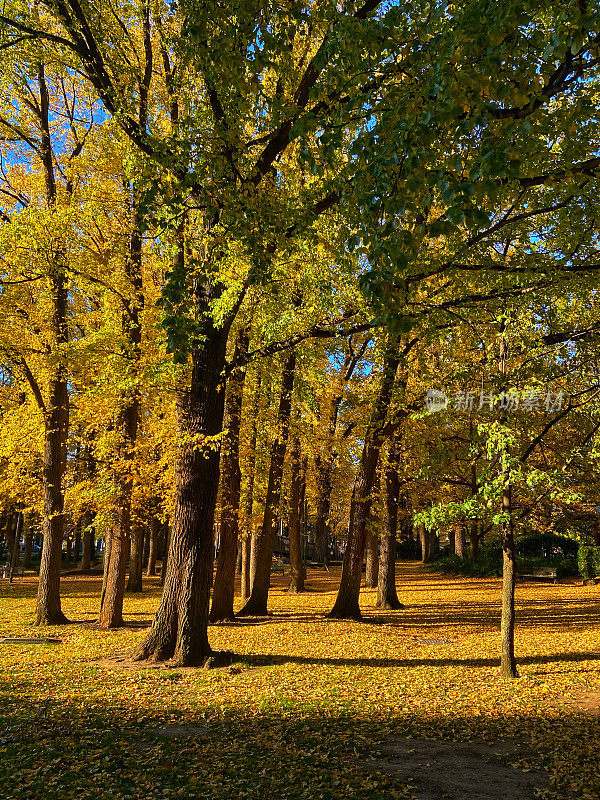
(588, 560)
(489, 564)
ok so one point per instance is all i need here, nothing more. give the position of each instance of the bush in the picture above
(489, 564)
(588, 560)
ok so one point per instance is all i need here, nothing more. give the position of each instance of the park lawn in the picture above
(312, 699)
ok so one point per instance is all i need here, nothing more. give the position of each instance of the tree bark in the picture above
(56, 417)
(88, 542)
(224, 583)
(136, 559)
(508, 662)
(387, 596)
(297, 572)
(180, 627)
(372, 560)
(153, 548)
(111, 611)
(460, 540)
(28, 543)
(265, 543)
(346, 605)
(248, 548)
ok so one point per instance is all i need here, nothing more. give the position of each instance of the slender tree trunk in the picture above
(48, 611)
(257, 602)
(136, 559)
(249, 541)
(297, 576)
(224, 584)
(88, 543)
(387, 596)
(77, 543)
(165, 559)
(153, 547)
(16, 551)
(507, 625)
(372, 561)
(245, 579)
(324, 488)
(146, 548)
(508, 662)
(346, 605)
(10, 535)
(28, 542)
(111, 612)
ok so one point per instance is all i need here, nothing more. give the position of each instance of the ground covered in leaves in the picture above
(314, 704)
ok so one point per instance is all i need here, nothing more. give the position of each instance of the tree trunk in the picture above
(245, 579)
(297, 576)
(88, 543)
(387, 596)
(180, 627)
(507, 624)
(429, 544)
(146, 548)
(16, 551)
(136, 559)
(460, 540)
(372, 561)
(77, 543)
(165, 560)
(248, 542)
(508, 662)
(56, 412)
(28, 542)
(153, 547)
(346, 605)
(49, 610)
(265, 543)
(224, 584)
(111, 612)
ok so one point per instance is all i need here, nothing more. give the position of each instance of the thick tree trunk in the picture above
(346, 605)
(387, 596)
(153, 547)
(297, 576)
(460, 540)
(224, 583)
(180, 627)
(136, 559)
(265, 543)
(429, 544)
(372, 561)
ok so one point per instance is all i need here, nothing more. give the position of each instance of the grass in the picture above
(313, 700)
